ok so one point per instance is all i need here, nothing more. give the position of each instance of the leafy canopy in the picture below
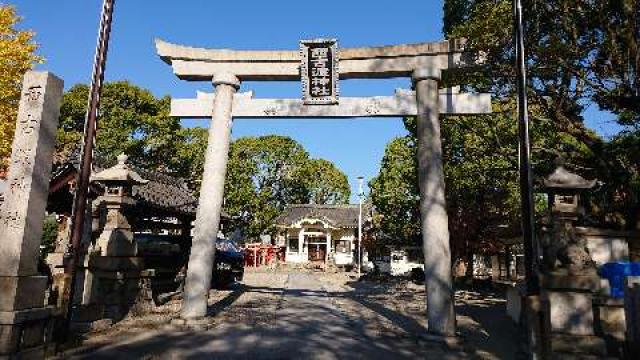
(579, 53)
(17, 56)
(480, 156)
(132, 121)
(265, 174)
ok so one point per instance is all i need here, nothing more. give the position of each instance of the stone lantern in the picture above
(564, 188)
(117, 239)
(115, 270)
(569, 278)
(564, 250)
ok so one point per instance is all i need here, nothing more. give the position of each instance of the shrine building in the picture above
(319, 233)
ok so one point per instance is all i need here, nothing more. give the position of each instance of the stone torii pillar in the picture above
(201, 259)
(433, 213)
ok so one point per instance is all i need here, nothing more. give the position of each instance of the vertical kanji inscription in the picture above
(23, 209)
(319, 71)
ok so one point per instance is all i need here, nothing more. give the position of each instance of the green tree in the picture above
(132, 121)
(394, 193)
(323, 183)
(616, 62)
(190, 152)
(578, 53)
(17, 55)
(265, 174)
(480, 156)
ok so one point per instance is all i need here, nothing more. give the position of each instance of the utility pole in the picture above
(526, 178)
(86, 165)
(360, 195)
(531, 316)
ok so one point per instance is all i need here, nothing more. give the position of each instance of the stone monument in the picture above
(569, 274)
(23, 316)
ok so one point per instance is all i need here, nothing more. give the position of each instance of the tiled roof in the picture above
(162, 192)
(337, 215)
(165, 192)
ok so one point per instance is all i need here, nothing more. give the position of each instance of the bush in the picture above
(49, 235)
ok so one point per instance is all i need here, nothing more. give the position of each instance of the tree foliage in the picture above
(322, 182)
(17, 56)
(49, 235)
(480, 156)
(132, 121)
(394, 193)
(265, 174)
(579, 53)
(190, 152)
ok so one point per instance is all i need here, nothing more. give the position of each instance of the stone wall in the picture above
(607, 245)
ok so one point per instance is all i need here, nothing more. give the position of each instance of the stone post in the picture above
(495, 268)
(433, 213)
(326, 253)
(632, 313)
(300, 243)
(23, 316)
(201, 259)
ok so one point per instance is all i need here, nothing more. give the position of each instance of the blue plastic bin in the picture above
(616, 273)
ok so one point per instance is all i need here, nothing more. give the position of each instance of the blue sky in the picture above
(66, 31)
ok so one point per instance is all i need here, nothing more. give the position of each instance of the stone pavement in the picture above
(295, 315)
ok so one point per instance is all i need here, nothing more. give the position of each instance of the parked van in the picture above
(400, 261)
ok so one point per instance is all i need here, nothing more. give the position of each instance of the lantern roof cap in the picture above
(121, 172)
(564, 179)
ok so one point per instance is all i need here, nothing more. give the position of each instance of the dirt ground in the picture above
(301, 314)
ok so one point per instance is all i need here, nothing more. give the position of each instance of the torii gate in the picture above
(318, 64)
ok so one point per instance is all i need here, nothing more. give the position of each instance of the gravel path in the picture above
(304, 315)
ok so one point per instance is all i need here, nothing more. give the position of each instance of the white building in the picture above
(319, 233)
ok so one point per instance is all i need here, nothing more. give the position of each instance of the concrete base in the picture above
(35, 353)
(574, 344)
(514, 302)
(22, 292)
(115, 287)
(610, 319)
(562, 280)
(450, 342)
(571, 312)
(23, 332)
(202, 324)
(570, 316)
(55, 261)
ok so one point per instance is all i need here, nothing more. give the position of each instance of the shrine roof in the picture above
(343, 216)
(162, 192)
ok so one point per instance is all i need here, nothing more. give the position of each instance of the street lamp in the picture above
(360, 196)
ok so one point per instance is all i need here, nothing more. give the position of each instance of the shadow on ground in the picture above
(304, 320)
